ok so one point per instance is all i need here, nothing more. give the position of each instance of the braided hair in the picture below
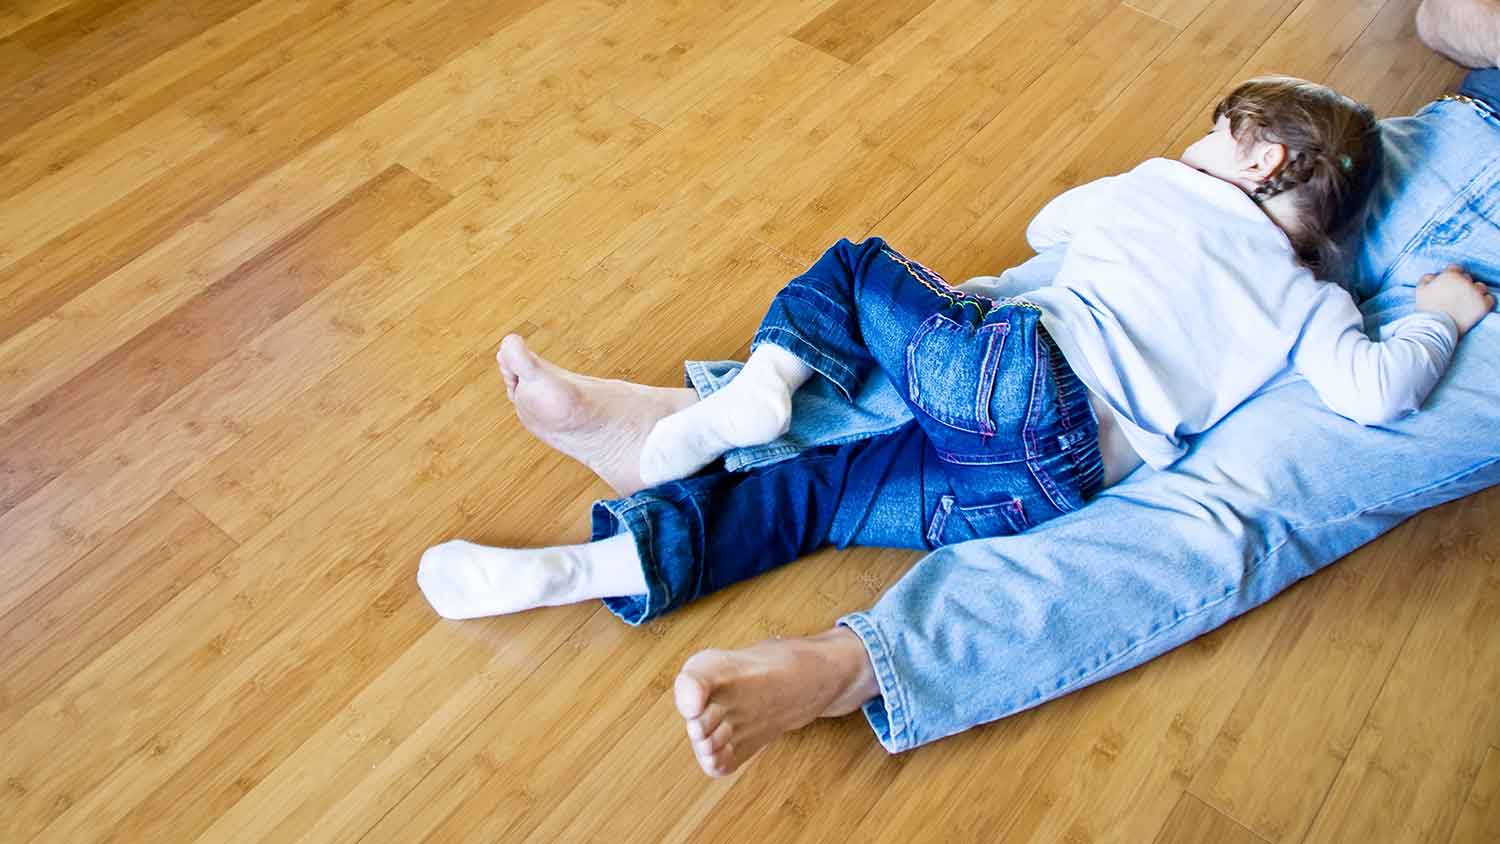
(1333, 156)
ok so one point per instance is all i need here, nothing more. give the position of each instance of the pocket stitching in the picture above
(1013, 511)
(939, 522)
(987, 373)
(914, 393)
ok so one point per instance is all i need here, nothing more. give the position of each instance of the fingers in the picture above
(1455, 269)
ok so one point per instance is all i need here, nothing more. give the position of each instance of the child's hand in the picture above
(1455, 293)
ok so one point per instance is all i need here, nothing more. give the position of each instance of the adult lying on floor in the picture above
(1279, 488)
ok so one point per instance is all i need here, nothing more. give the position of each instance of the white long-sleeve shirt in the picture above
(1177, 298)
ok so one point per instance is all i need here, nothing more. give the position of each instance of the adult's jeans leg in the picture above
(1279, 489)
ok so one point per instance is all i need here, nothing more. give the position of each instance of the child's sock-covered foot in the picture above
(464, 580)
(754, 408)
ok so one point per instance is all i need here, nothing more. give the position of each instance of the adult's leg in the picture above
(1466, 31)
(1277, 490)
(980, 630)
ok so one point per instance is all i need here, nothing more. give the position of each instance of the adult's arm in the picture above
(1466, 31)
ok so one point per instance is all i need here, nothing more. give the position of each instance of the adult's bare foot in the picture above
(737, 702)
(599, 422)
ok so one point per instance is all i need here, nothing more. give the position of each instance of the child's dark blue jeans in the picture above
(1002, 438)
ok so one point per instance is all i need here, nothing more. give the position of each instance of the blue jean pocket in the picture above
(950, 371)
(951, 523)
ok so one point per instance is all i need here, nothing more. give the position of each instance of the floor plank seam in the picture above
(1333, 781)
(1020, 192)
(462, 740)
(1134, 8)
(193, 506)
(478, 722)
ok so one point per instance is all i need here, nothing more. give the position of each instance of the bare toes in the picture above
(706, 723)
(690, 694)
(719, 738)
(721, 763)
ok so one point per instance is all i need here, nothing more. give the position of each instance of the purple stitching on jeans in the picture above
(987, 373)
(939, 519)
(979, 459)
(911, 360)
(1055, 362)
(1028, 436)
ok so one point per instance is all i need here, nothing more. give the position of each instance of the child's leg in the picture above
(464, 580)
(814, 325)
(754, 408)
(982, 378)
(668, 545)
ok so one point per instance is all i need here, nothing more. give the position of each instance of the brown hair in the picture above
(1333, 155)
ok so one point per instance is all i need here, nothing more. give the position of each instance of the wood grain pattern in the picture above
(1303, 709)
(141, 373)
(264, 131)
(850, 29)
(1412, 765)
(255, 259)
(84, 610)
(19, 14)
(1481, 816)
(109, 111)
(89, 45)
(1193, 821)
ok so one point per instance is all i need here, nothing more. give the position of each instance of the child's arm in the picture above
(1059, 219)
(1038, 271)
(1378, 382)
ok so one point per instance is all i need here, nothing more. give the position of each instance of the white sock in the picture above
(464, 580)
(753, 408)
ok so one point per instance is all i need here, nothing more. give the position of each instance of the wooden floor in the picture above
(256, 257)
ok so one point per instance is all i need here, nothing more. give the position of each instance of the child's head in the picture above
(1279, 135)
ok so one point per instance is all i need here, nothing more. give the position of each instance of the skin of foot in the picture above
(735, 703)
(599, 422)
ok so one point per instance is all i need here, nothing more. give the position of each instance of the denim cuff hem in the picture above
(825, 365)
(888, 713)
(698, 375)
(610, 517)
(760, 456)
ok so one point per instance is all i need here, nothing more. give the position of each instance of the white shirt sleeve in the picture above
(1038, 271)
(1367, 381)
(993, 286)
(1068, 212)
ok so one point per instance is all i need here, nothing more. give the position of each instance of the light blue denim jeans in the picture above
(1278, 489)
